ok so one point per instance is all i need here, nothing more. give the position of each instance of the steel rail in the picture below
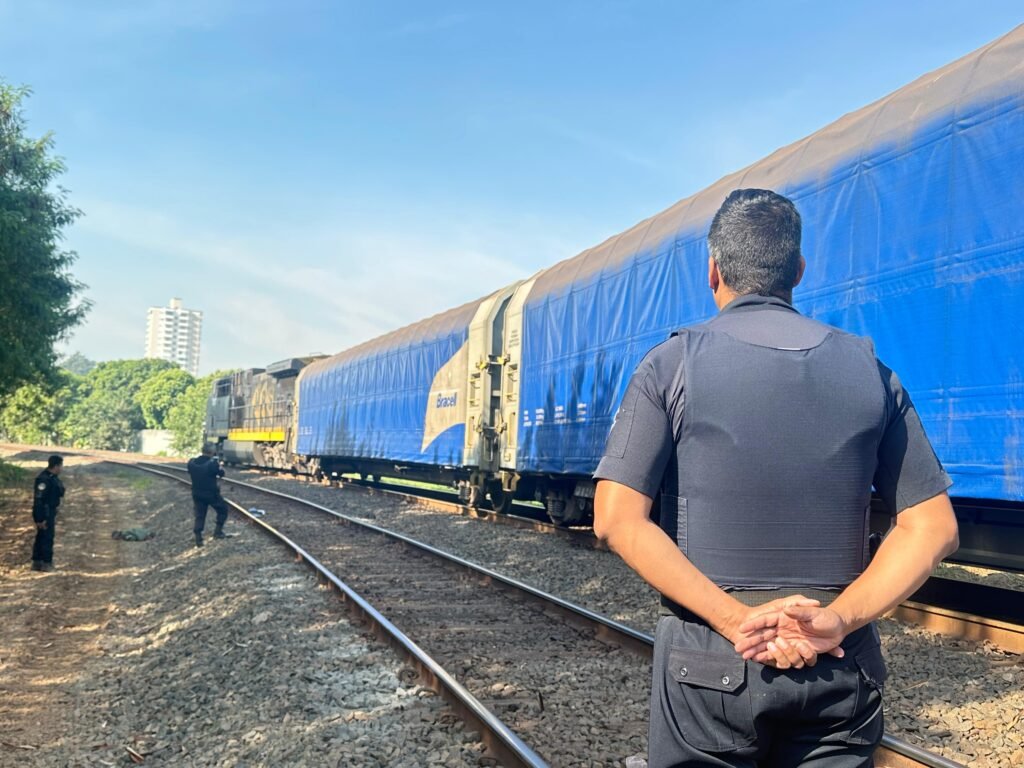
(942, 605)
(440, 500)
(501, 741)
(601, 626)
(991, 531)
(892, 753)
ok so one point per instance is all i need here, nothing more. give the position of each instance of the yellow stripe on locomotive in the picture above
(256, 436)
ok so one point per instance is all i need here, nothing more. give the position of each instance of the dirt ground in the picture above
(51, 622)
(223, 656)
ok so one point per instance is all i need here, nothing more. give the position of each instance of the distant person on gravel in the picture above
(47, 493)
(762, 432)
(205, 471)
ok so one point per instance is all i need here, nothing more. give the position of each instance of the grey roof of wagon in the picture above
(989, 73)
(437, 326)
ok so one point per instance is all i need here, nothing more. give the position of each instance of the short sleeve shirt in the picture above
(643, 436)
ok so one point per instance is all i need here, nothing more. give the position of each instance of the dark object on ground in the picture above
(133, 534)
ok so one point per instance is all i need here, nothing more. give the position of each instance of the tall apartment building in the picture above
(172, 333)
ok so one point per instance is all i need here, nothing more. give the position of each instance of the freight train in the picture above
(913, 213)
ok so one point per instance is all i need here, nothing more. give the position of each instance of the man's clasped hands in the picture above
(790, 632)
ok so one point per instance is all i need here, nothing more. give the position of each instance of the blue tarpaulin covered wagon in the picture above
(913, 213)
(415, 399)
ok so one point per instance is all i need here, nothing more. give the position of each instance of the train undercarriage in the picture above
(567, 501)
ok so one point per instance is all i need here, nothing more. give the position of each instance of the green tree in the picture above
(39, 300)
(77, 363)
(107, 413)
(188, 415)
(126, 376)
(160, 393)
(104, 420)
(34, 413)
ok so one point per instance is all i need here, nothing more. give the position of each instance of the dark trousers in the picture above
(42, 548)
(711, 708)
(200, 505)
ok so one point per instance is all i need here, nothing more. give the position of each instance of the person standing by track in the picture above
(205, 471)
(762, 432)
(47, 494)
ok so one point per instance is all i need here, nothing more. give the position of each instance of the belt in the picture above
(753, 598)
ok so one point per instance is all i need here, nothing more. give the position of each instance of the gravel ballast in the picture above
(228, 655)
(962, 699)
(578, 701)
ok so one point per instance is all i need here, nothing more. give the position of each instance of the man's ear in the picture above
(714, 276)
(800, 271)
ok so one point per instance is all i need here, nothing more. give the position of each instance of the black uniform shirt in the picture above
(204, 471)
(48, 492)
(642, 438)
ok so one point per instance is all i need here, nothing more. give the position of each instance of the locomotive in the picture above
(249, 415)
(911, 209)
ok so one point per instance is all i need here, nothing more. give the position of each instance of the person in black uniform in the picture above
(762, 432)
(204, 471)
(47, 493)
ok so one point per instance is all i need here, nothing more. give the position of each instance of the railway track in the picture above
(502, 743)
(991, 533)
(539, 674)
(949, 607)
(569, 686)
(946, 606)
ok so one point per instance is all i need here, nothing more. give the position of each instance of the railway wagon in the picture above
(415, 403)
(249, 415)
(913, 213)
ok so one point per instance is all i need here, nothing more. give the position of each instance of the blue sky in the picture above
(313, 174)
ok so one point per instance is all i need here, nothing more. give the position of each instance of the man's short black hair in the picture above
(755, 240)
(54, 461)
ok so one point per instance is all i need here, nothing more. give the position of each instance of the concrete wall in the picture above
(154, 442)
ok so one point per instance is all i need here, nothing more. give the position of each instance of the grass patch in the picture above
(135, 480)
(140, 482)
(13, 476)
(401, 481)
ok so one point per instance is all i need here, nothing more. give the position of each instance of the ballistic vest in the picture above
(776, 449)
(204, 471)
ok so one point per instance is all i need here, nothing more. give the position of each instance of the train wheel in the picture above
(556, 511)
(501, 500)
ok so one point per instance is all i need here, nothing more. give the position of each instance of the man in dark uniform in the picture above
(47, 493)
(763, 432)
(204, 471)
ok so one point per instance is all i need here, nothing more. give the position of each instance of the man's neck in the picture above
(725, 296)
